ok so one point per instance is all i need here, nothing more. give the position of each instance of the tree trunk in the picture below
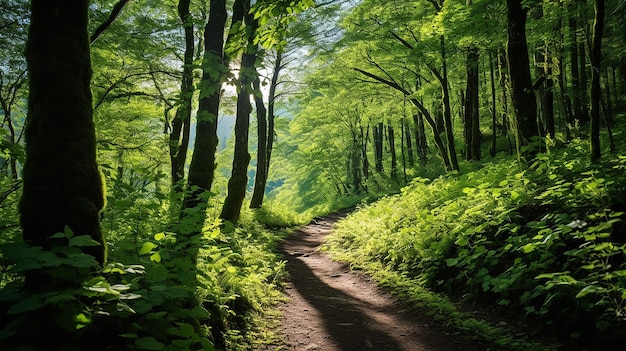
(403, 138)
(447, 109)
(61, 182)
(420, 138)
(596, 59)
(471, 128)
(494, 112)
(271, 101)
(260, 179)
(522, 95)
(239, 176)
(202, 166)
(584, 99)
(409, 143)
(506, 120)
(548, 95)
(354, 162)
(576, 89)
(366, 164)
(179, 136)
(436, 131)
(392, 150)
(378, 147)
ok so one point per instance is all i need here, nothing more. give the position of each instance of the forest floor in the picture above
(332, 308)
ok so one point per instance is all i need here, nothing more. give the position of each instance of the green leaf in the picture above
(83, 261)
(149, 343)
(591, 289)
(155, 257)
(451, 262)
(159, 236)
(81, 318)
(83, 240)
(69, 233)
(147, 247)
(29, 304)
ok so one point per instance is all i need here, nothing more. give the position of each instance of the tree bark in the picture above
(202, 166)
(378, 147)
(179, 136)
(522, 95)
(596, 60)
(506, 120)
(420, 138)
(239, 176)
(366, 164)
(471, 128)
(62, 184)
(447, 109)
(494, 112)
(409, 142)
(548, 95)
(260, 178)
(392, 150)
(271, 102)
(576, 89)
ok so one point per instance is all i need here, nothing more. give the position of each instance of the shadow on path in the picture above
(351, 322)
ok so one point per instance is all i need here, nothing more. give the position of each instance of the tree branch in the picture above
(402, 41)
(117, 8)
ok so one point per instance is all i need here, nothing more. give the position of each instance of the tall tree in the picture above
(239, 177)
(62, 184)
(471, 128)
(260, 177)
(522, 94)
(596, 59)
(181, 125)
(202, 167)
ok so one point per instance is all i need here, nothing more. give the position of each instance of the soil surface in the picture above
(332, 308)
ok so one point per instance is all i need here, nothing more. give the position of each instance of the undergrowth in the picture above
(152, 295)
(545, 240)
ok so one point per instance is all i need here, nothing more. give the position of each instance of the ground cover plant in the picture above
(145, 305)
(546, 240)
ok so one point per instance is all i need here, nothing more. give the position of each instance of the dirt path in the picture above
(331, 308)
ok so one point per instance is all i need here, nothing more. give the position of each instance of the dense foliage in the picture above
(545, 240)
(485, 157)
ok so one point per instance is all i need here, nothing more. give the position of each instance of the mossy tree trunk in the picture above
(202, 167)
(522, 95)
(239, 176)
(62, 184)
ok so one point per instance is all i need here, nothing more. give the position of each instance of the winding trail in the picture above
(331, 308)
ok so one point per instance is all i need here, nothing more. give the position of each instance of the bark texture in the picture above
(202, 166)
(238, 181)
(596, 59)
(471, 128)
(522, 95)
(62, 184)
(179, 136)
(260, 178)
